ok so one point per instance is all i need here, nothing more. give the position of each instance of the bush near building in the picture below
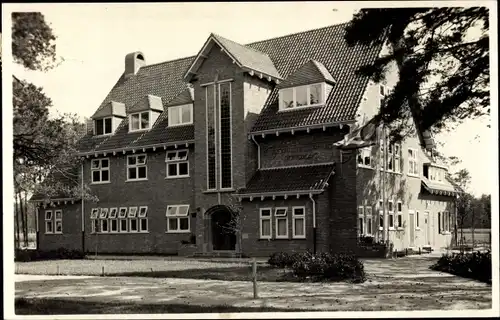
(475, 265)
(321, 267)
(23, 255)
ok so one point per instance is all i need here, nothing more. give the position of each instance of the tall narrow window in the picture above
(369, 220)
(381, 215)
(361, 219)
(225, 140)
(58, 221)
(280, 215)
(400, 215)
(299, 222)
(49, 224)
(265, 223)
(412, 162)
(94, 220)
(391, 213)
(143, 220)
(103, 217)
(211, 134)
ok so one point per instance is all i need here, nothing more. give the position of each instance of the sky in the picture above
(94, 38)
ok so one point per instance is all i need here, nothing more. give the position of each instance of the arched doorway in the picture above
(223, 228)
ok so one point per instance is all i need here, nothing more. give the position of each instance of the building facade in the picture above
(239, 149)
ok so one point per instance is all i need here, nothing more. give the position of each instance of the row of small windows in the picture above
(134, 219)
(280, 216)
(178, 115)
(367, 222)
(393, 160)
(176, 161)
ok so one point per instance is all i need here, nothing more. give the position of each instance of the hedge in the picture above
(23, 255)
(475, 265)
(321, 266)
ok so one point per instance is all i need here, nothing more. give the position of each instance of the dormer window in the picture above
(140, 121)
(180, 115)
(103, 126)
(302, 96)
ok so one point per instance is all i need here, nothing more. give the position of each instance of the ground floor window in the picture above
(399, 221)
(361, 219)
(281, 217)
(299, 222)
(178, 218)
(390, 207)
(53, 221)
(265, 223)
(365, 220)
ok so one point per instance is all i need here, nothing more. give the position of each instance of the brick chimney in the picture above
(133, 62)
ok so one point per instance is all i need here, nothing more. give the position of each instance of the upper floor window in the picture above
(136, 167)
(436, 174)
(412, 162)
(177, 164)
(103, 126)
(180, 115)
(303, 96)
(140, 121)
(100, 170)
(365, 157)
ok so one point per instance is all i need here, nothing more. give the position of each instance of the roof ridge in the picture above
(168, 61)
(297, 33)
(243, 45)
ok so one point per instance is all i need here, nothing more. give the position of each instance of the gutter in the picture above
(258, 152)
(314, 221)
(299, 128)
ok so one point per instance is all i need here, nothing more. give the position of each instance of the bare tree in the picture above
(235, 225)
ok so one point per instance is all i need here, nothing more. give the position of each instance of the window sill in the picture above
(412, 175)
(265, 238)
(217, 191)
(391, 171)
(445, 233)
(136, 180)
(400, 228)
(298, 238)
(179, 125)
(176, 177)
(282, 238)
(301, 108)
(138, 130)
(392, 229)
(53, 233)
(98, 183)
(417, 228)
(365, 167)
(177, 232)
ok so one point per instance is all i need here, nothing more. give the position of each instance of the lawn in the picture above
(59, 306)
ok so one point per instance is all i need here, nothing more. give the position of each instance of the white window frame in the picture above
(178, 216)
(390, 215)
(136, 166)
(399, 215)
(120, 229)
(369, 220)
(363, 154)
(414, 159)
(136, 229)
(113, 212)
(308, 93)
(100, 169)
(180, 123)
(142, 216)
(94, 213)
(102, 221)
(103, 127)
(56, 220)
(397, 158)
(361, 218)
(265, 218)
(296, 217)
(140, 122)
(177, 161)
(279, 217)
(103, 214)
(110, 225)
(123, 210)
(132, 212)
(49, 220)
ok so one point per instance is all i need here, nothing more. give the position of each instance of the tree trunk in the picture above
(472, 228)
(22, 211)
(16, 208)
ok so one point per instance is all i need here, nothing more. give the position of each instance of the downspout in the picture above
(314, 221)
(37, 210)
(383, 176)
(258, 151)
(83, 212)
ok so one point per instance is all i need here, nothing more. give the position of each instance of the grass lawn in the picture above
(60, 306)
(236, 273)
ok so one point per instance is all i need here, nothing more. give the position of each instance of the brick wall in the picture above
(71, 238)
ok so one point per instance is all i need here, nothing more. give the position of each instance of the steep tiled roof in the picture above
(310, 72)
(326, 46)
(299, 178)
(249, 57)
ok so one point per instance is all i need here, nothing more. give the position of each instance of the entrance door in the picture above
(223, 230)
(412, 230)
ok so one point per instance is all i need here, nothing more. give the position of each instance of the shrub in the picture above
(34, 255)
(321, 266)
(475, 265)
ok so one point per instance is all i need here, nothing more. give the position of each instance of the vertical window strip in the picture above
(225, 139)
(299, 222)
(211, 137)
(265, 223)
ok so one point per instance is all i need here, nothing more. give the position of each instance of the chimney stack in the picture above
(133, 62)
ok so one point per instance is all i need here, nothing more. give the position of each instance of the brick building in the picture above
(256, 134)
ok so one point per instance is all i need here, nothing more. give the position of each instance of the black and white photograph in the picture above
(250, 159)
